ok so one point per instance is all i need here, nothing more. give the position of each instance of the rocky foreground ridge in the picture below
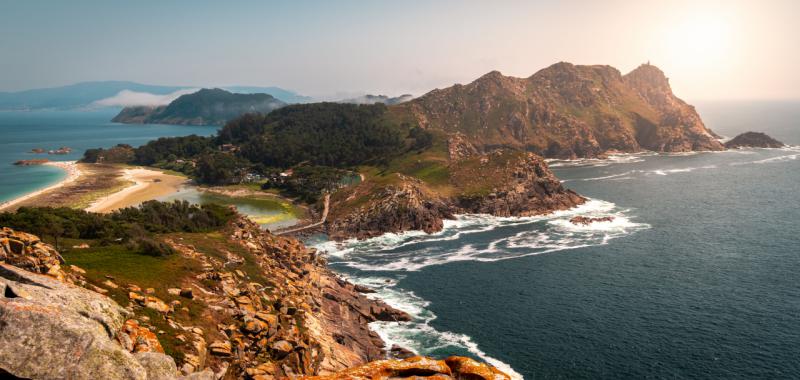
(268, 309)
(566, 111)
(753, 140)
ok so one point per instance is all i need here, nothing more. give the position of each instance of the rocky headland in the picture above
(257, 306)
(753, 140)
(501, 183)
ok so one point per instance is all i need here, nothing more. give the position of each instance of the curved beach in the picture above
(73, 173)
(146, 184)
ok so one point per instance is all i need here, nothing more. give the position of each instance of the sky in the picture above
(709, 49)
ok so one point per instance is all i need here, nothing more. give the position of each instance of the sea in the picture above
(696, 276)
(23, 131)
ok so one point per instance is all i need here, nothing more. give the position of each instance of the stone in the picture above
(174, 291)
(77, 269)
(186, 293)
(220, 348)
(62, 331)
(281, 348)
(157, 304)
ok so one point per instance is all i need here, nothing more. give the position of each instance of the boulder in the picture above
(55, 330)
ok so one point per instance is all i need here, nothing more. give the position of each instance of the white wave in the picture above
(521, 237)
(382, 261)
(622, 158)
(418, 335)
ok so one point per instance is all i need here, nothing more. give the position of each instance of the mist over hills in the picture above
(119, 94)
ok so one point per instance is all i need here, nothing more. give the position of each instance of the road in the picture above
(312, 225)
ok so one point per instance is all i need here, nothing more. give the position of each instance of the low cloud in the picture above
(128, 98)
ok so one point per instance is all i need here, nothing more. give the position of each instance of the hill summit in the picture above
(204, 107)
(566, 111)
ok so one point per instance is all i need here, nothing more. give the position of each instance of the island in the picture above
(753, 140)
(204, 107)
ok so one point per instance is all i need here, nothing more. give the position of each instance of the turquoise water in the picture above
(80, 130)
(697, 276)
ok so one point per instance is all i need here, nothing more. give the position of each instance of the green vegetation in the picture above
(307, 183)
(319, 141)
(133, 226)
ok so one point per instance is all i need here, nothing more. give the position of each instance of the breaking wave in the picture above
(381, 263)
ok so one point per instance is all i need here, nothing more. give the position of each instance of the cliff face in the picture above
(566, 111)
(205, 107)
(753, 140)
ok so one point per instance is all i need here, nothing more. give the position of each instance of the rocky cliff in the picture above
(258, 306)
(753, 140)
(566, 111)
(205, 107)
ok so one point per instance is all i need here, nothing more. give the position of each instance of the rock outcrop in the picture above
(566, 111)
(50, 329)
(406, 204)
(753, 140)
(501, 183)
(268, 306)
(418, 367)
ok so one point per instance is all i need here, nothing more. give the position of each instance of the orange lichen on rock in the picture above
(417, 367)
(138, 339)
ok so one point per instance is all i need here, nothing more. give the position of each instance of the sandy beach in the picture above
(73, 173)
(147, 184)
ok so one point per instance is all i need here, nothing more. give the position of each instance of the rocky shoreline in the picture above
(521, 184)
(272, 310)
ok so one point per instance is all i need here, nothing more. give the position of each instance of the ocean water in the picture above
(79, 130)
(696, 277)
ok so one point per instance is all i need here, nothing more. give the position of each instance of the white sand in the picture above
(147, 185)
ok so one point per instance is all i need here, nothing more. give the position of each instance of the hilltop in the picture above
(566, 111)
(204, 107)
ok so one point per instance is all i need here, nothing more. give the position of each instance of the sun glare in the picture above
(699, 40)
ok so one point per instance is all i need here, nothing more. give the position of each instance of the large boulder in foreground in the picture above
(753, 140)
(50, 329)
(419, 367)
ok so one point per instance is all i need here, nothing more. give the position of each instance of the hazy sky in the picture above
(709, 49)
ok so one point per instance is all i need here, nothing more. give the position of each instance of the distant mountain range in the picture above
(92, 94)
(204, 107)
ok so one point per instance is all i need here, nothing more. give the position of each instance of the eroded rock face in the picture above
(523, 186)
(753, 140)
(404, 205)
(418, 367)
(53, 330)
(501, 183)
(567, 111)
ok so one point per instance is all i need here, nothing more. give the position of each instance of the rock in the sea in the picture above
(753, 140)
(586, 220)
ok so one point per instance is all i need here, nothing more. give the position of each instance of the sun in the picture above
(699, 40)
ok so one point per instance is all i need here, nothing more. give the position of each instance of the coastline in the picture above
(146, 184)
(73, 172)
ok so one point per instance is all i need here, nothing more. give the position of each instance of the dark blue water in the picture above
(80, 130)
(696, 278)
